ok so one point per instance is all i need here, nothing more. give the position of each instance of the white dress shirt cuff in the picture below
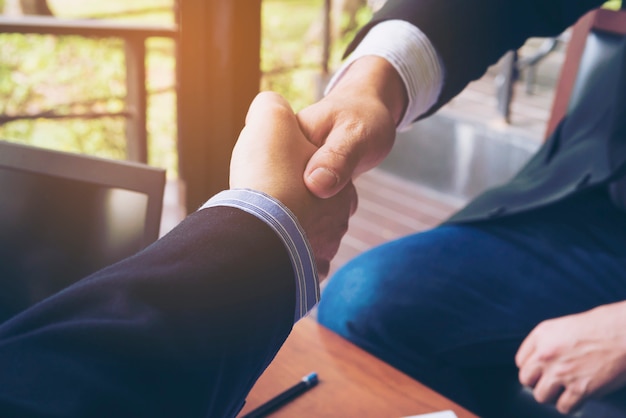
(278, 217)
(410, 52)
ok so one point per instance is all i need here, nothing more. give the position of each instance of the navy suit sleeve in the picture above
(470, 35)
(183, 328)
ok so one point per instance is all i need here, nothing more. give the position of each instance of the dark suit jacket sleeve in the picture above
(182, 329)
(470, 35)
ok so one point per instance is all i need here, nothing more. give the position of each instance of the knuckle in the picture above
(576, 390)
(579, 388)
(524, 378)
(356, 128)
(541, 396)
(549, 353)
(540, 393)
(336, 152)
(542, 328)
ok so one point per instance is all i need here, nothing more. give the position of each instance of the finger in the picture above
(350, 190)
(328, 171)
(264, 103)
(568, 401)
(547, 389)
(323, 267)
(530, 374)
(348, 151)
(267, 115)
(271, 150)
(317, 121)
(526, 350)
(326, 239)
(269, 119)
(272, 126)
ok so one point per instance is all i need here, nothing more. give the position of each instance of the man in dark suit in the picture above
(185, 327)
(531, 274)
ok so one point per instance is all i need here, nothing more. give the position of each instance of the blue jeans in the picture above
(451, 305)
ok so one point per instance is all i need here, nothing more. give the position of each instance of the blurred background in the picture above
(68, 92)
(104, 78)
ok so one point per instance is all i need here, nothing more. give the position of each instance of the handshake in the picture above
(271, 155)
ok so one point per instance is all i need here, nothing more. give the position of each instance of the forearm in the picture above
(287, 228)
(471, 35)
(182, 328)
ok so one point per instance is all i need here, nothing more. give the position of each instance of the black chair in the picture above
(64, 216)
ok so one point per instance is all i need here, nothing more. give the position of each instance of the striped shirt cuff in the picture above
(285, 224)
(410, 52)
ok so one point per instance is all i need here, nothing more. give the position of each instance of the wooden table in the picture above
(352, 383)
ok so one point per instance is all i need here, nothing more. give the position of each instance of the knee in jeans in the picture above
(350, 302)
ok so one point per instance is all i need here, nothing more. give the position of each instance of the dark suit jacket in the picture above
(588, 148)
(182, 329)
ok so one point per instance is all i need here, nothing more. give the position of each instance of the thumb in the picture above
(329, 170)
(348, 151)
(352, 139)
(331, 166)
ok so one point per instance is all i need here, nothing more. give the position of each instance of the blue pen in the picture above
(276, 402)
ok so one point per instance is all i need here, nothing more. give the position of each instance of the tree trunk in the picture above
(35, 7)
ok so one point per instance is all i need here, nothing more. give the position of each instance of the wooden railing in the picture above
(134, 37)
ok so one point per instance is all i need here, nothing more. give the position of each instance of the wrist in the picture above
(409, 51)
(374, 78)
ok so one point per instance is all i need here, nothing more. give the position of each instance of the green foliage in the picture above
(64, 75)
(363, 16)
(292, 51)
(162, 121)
(613, 4)
(40, 74)
(291, 48)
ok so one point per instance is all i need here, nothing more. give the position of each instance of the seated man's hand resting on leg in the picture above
(571, 358)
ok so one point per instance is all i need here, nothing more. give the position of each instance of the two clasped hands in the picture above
(308, 160)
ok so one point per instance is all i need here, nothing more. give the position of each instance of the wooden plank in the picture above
(352, 382)
(389, 208)
(47, 25)
(136, 99)
(569, 70)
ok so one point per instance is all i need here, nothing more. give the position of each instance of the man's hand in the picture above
(270, 156)
(571, 358)
(354, 125)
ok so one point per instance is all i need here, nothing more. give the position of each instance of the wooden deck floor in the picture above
(390, 207)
